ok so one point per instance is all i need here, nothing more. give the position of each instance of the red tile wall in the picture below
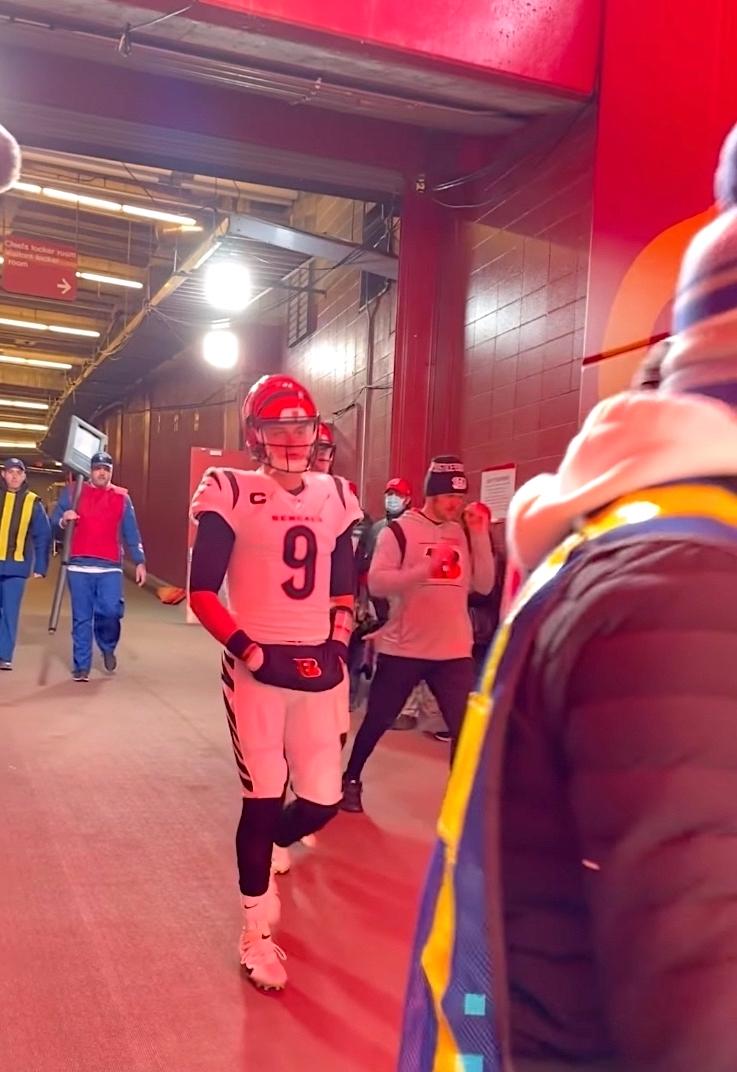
(525, 310)
(332, 362)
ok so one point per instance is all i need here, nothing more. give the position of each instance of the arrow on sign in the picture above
(65, 286)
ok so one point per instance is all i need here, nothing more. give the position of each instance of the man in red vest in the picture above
(105, 520)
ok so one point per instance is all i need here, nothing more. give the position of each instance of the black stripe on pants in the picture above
(449, 680)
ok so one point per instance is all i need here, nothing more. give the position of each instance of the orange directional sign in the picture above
(40, 267)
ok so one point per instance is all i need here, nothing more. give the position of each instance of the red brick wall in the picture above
(525, 310)
(332, 362)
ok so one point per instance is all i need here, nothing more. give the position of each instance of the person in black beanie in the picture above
(426, 563)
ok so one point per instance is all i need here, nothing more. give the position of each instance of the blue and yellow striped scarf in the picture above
(455, 1016)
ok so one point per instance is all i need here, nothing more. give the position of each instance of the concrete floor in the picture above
(119, 912)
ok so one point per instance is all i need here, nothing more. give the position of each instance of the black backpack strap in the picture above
(401, 539)
(339, 488)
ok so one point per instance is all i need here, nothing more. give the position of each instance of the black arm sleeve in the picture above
(343, 566)
(211, 553)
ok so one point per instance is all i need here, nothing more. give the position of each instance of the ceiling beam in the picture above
(333, 250)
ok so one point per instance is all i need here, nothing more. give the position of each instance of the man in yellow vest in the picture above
(25, 541)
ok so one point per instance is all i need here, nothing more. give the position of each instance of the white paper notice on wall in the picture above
(497, 488)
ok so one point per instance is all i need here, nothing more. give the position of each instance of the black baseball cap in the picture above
(101, 460)
(15, 463)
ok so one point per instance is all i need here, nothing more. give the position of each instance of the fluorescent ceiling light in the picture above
(97, 277)
(155, 214)
(20, 426)
(16, 403)
(82, 199)
(18, 444)
(84, 332)
(111, 280)
(60, 329)
(30, 325)
(104, 204)
(33, 362)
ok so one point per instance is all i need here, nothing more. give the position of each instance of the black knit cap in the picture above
(446, 476)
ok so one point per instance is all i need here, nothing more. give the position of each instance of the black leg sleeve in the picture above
(254, 841)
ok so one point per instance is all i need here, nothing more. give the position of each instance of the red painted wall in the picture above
(333, 362)
(553, 42)
(668, 97)
(525, 309)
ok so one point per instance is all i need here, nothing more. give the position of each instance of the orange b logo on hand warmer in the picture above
(309, 668)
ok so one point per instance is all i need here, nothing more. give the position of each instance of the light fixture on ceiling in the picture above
(83, 200)
(20, 426)
(98, 277)
(110, 280)
(228, 285)
(19, 403)
(86, 333)
(34, 362)
(220, 348)
(18, 444)
(60, 329)
(104, 204)
(157, 214)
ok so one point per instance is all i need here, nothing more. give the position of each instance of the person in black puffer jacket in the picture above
(594, 871)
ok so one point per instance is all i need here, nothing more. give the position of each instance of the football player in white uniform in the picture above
(324, 462)
(282, 537)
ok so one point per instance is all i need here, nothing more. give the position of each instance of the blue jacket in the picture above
(36, 537)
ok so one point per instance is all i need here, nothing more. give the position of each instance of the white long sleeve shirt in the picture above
(429, 612)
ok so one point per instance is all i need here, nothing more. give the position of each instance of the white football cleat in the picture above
(259, 954)
(280, 861)
(270, 902)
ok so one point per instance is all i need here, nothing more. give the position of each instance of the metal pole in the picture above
(65, 547)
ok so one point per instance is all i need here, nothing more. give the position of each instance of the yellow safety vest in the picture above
(16, 510)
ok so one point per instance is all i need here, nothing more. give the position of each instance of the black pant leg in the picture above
(393, 681)
(450, 681)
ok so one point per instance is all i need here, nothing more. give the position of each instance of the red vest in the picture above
(97, 533)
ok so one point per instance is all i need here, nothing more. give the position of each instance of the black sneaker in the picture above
(111, 663)
(81, 675)
(351, 796)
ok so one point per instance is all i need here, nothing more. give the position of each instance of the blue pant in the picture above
(97, 602)
(11, 594)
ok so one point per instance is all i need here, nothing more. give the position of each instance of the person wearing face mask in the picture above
(397, 500)
(104, 519)
(426, 565)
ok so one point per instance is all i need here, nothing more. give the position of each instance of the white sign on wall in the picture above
(497, 488)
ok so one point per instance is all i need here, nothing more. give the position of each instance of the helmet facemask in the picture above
(287, 444)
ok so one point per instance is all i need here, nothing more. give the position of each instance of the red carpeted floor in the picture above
(119, 912)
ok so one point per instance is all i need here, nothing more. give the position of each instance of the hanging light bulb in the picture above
(220, 348)
(228, 285)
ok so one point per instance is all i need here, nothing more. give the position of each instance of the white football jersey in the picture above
(278, 577)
